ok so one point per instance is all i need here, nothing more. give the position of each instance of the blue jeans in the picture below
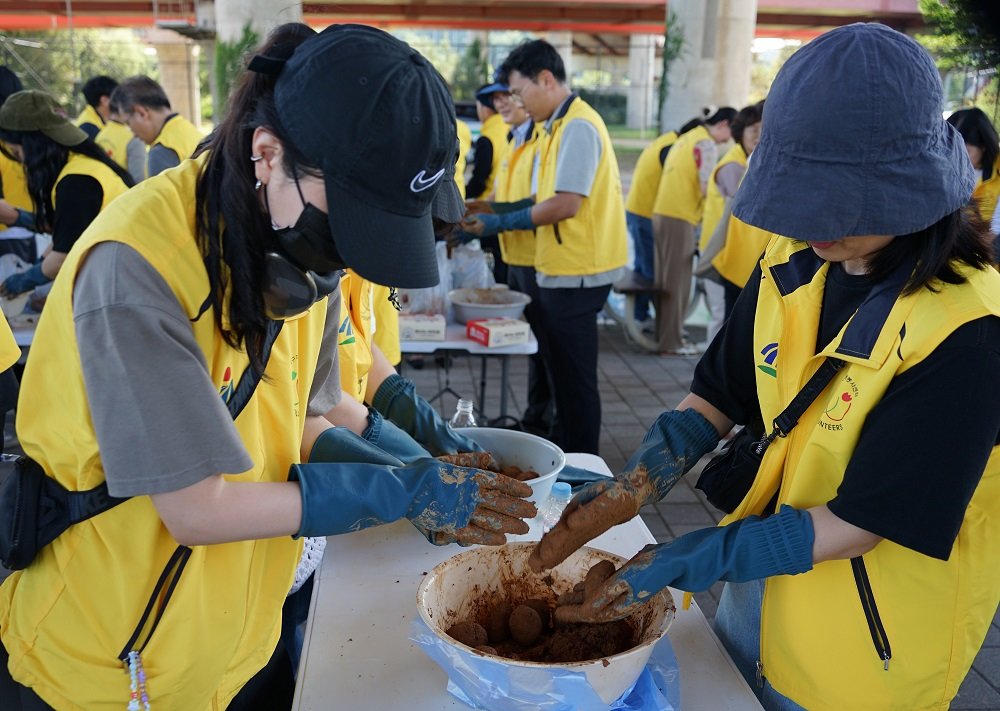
(640, 229)
(737, 622)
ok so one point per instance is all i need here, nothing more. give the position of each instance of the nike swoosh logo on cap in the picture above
(421, 182)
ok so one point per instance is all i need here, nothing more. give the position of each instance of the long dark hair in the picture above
(961, 237)
(44, 159)
(225, 196)
(976, 130)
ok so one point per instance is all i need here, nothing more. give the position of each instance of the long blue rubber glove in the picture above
(492, 224)
(26, 280)
(745, 550)
(674, 444)
(389, 438)
(459, 502)
(398, 401)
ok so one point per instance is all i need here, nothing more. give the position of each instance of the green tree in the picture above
(471, 73)
(60, 61)
(673, 48)
(230, 58)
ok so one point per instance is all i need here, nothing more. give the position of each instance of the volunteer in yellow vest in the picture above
(70, 179)
(17, 217)
(464, 146)
(861, 563)
(677, 212)
(171, 137)
(97, 92)
(150, 361)
(121, 145)
(983, 146)
(580, 234)
(639, 207)
(719, 293)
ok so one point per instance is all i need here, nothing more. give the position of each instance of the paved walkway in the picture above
(635, 388)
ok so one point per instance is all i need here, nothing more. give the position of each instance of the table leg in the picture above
(482, 386)
(504, 379)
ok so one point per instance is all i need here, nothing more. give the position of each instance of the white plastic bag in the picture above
(434, 299)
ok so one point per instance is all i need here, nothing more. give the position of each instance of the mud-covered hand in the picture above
(24, 281)
(674, 444)
(749, 549)
(388, 437)
(398, 401)
(340, 497)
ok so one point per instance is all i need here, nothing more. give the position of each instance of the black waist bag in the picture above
(727, 478)
(35, 509)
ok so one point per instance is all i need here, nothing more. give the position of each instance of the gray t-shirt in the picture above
(160, 422)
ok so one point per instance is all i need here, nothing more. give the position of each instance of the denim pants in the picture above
(737, 623)
(640, 229)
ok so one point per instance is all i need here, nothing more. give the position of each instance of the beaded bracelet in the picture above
(138, 699)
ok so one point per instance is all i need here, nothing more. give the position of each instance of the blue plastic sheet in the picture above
(484, 683)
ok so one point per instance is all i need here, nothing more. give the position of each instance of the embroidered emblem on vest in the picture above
(770, 353)
(346, 332)
(226, 390)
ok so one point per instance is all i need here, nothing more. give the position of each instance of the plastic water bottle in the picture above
(552, 510)
(463, 416)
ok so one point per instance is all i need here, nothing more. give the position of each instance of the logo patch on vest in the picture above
(226, 389)
(346, 332)
(840, 405)
(770, 353)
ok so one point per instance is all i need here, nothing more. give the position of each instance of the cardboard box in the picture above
(421, 327)
(494, 332)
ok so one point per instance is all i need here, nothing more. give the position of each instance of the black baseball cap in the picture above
(379, 120)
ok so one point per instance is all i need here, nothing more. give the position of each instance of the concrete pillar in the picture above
(714, 63)
(641, 92)
(231, 16)
(563, 42)
(178, 59)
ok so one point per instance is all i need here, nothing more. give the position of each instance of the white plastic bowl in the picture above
(455, 589)
(523, 450)
(471, 304)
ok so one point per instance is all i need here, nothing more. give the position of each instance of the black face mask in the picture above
(304, 268)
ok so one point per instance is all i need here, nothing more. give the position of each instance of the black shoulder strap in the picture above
(789, 417)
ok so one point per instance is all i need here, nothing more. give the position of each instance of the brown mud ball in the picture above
(518, 473)
(596, 577)
(542, 608)
(525, 625)
(497, 625)
(476, 460)
(472, 634)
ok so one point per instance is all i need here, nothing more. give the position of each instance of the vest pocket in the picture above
(157, 604)
(879, 638)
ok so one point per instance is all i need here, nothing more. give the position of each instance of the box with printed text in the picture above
(493, 332)
(421, 327)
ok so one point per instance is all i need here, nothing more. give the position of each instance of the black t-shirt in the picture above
(923, 447)
(78, 201)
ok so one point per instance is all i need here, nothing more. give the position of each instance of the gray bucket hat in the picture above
(853, 142)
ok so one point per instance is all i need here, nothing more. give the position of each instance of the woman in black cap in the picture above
(194, 342)
(70, 178)
(861, 562)
(16, 211)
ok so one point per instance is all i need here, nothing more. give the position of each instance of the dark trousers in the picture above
(569, 319)
(540, 412)
(14, 696)
(491, 244)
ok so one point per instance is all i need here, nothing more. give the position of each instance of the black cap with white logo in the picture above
(378, 119)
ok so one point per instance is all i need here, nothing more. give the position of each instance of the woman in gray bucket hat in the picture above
(861, 563)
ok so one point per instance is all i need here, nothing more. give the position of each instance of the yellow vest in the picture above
(679, 194)
(740, 254)
(647, 174)
(78, 164)
(90, 115)
(594, 240)
(496, 131)
(513, 183)
(464, 146)
(987, 192)
(9, 350)
(66, 618)
(387, 325)
(815, 641)
(179, 135)
(357, 322)
(15, 185)
(715, 202)
(114, 139)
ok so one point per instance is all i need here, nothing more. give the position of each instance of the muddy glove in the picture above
(389, 438)
(397, 400)
(341, 497)
(749, 549)
(674, 444)
(25, 281)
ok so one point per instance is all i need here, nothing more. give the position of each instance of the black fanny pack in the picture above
(727, 478)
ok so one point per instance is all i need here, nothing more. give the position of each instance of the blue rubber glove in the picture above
(24, 219)
(341, 497)
(505, 222)
(745, 550)
(26, 280)
(674, 444)
(397, 400)
(389, 438)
